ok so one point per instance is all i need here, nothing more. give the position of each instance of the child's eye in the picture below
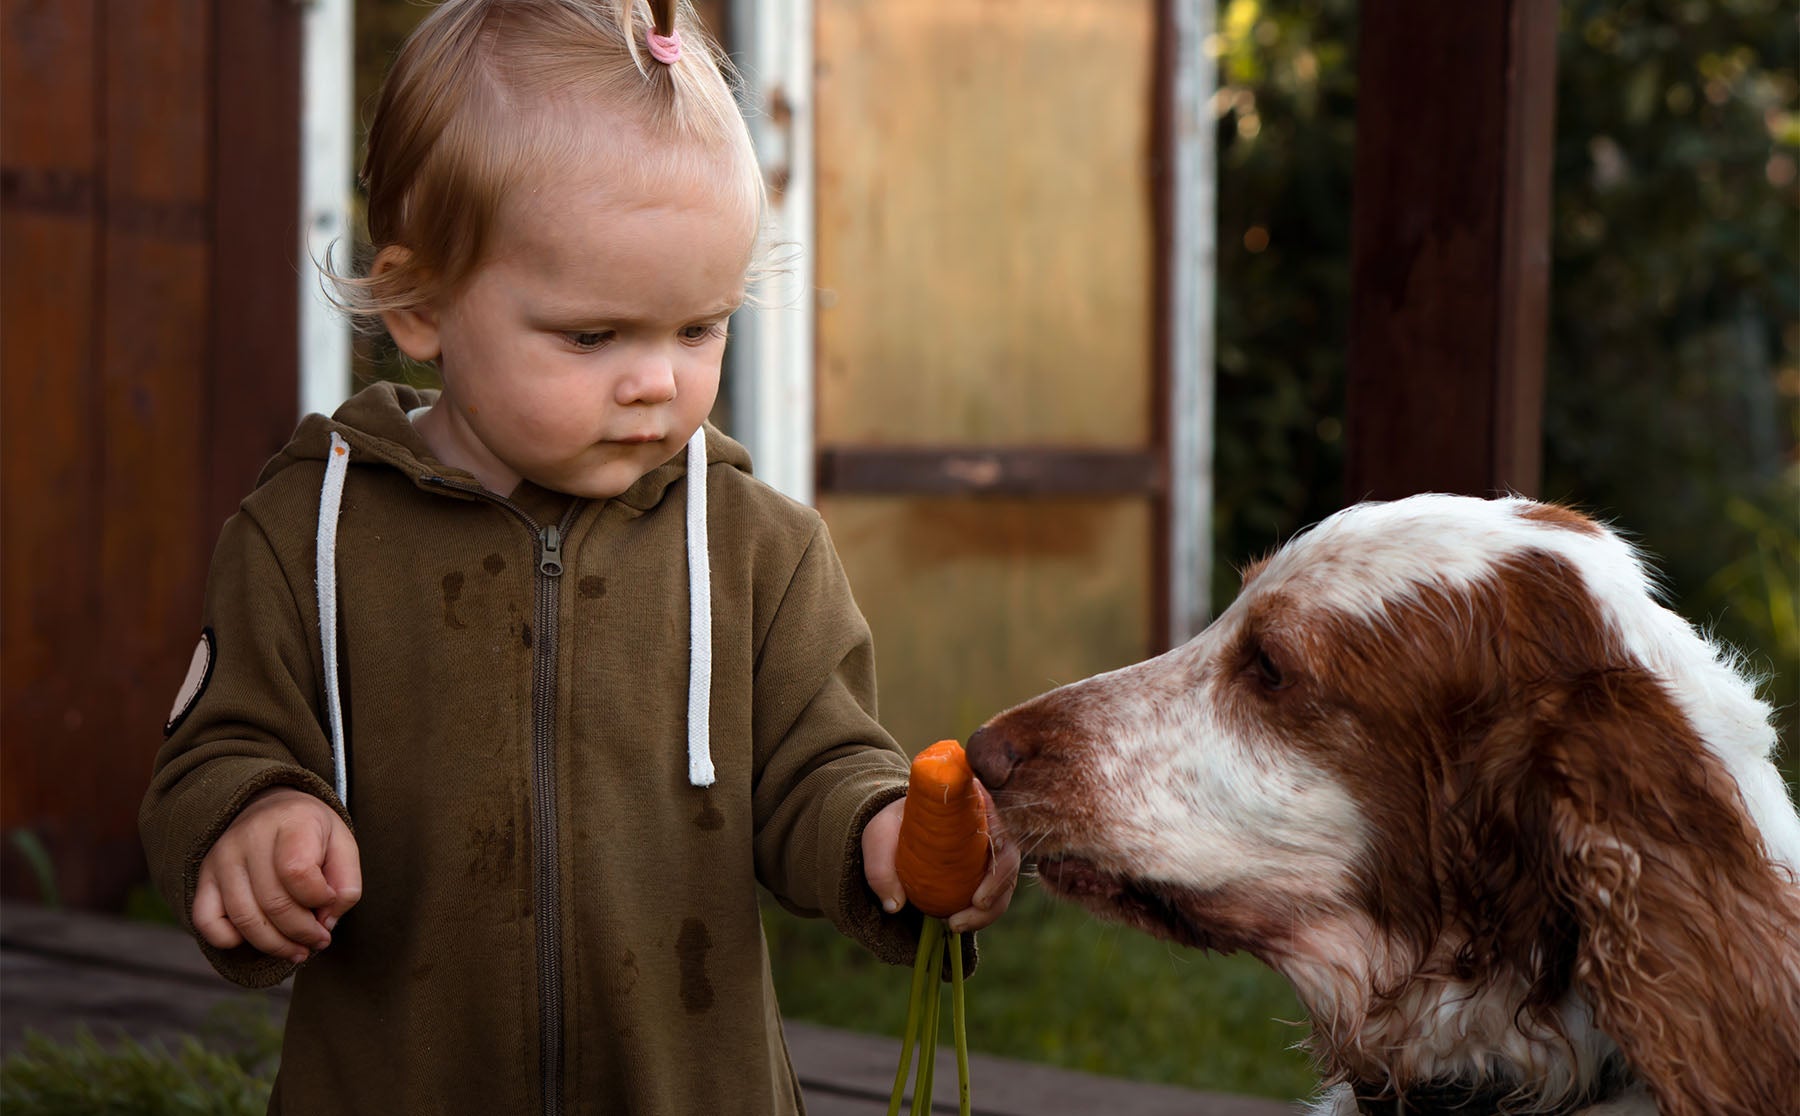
(589, 340)
(695, 334)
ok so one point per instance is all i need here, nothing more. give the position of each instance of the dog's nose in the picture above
(993, 756)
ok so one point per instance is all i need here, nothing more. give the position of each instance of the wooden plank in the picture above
(979, 603)
(988, 471)
(1524, 311)
(985, 222)
(105, 940)
(253, 382)
(1449, 249)
(49, 402)
(156, 58)
(64, 970)
(853, 1066)
(51, 996)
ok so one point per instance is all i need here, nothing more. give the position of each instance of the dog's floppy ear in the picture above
(1686, 937)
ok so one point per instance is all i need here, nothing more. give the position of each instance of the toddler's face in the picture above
(585, 350)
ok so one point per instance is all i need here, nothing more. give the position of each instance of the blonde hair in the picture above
(466, 114)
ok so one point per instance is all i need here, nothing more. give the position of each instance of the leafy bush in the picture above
(84, 1077)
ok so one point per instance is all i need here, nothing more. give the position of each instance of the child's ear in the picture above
(413, 328)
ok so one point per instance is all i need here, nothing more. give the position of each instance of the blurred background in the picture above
(1080, 306)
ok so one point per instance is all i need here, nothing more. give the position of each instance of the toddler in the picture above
(573, 679)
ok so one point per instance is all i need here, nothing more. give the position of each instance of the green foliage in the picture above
(30, 848)
(143, 903)
(85, 1077)
(1056, 986)
(1287, 116)
(1672, 401)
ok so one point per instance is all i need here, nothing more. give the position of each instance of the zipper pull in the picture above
(550, 552)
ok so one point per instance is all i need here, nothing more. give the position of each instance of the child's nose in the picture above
(650, 380)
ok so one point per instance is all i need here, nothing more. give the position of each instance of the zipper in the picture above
(543, 819)
(546, 876)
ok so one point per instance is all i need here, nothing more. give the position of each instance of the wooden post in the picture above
(1450, 246)
(253, 382)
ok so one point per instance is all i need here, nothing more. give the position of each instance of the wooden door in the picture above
(989, 401)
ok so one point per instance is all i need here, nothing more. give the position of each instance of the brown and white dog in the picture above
(1508, 825)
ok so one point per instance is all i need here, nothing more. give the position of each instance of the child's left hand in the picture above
(882, 835)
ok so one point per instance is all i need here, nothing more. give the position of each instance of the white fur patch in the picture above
(199, 673)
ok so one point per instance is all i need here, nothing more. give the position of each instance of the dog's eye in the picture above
(1269, 672)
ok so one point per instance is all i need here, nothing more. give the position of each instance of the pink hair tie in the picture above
(664, 48)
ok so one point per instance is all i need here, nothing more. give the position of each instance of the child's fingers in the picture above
(299, 857)
(1003, 855)
(288, 913)
(246, 913)
(278, 864)
(209, 917)
(1002, 874)
(995, 892)
(880, 838)
(992, 897)
(343, 871)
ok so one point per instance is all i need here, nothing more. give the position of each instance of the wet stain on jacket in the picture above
(453, 587)
(491, 852)
(709, 817)
(592, 588)
(691, 947)
(525, 636)
(493, 564)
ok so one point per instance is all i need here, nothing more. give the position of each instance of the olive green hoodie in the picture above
(554, 919)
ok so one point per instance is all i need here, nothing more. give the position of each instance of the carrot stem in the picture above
(928, 1041)
(930, 937)
(959, 1024)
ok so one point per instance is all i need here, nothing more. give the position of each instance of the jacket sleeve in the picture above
(824, 765)
(255, 724)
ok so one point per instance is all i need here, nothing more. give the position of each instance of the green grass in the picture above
(1059, 987)
(1054, 986)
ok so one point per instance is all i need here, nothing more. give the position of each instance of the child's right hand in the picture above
(279, 877)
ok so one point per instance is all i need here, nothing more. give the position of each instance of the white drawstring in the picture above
(331, 496)
(700, 765)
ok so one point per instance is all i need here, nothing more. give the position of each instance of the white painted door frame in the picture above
(1193, 214)
(772, 374)
(327, 146)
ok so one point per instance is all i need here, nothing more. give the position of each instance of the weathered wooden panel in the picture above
(154, 354)
(109, 447)
(1450, 247)
(985, 225)
(989, 471)
(977, 604)
(49, 397)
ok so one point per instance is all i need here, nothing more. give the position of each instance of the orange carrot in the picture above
(941, 858)
(943, 849)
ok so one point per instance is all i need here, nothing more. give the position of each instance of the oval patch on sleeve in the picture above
(199, 673)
